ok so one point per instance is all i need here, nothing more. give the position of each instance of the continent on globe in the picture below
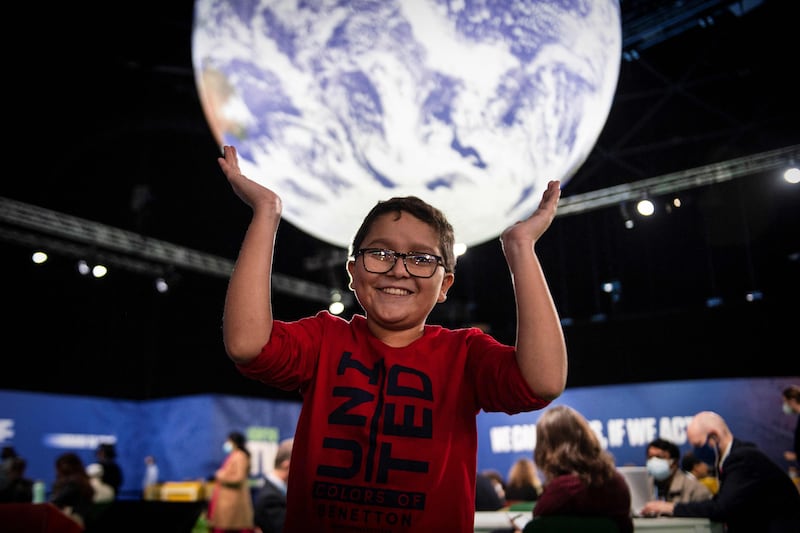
(471, 106)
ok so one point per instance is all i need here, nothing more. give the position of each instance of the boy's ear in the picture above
(447, 282)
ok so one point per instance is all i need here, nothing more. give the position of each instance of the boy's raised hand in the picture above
(252, 193)
(530, 229)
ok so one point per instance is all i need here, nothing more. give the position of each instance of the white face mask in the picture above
(659, 468)
(787, 409)
(227, 447)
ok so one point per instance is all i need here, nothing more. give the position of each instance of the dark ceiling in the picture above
(109, 129)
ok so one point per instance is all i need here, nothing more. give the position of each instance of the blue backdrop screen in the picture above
(185, 434)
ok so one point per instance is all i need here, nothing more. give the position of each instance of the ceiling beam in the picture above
(36, 226)
(679, 181)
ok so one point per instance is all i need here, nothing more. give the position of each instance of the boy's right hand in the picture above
(252, 193)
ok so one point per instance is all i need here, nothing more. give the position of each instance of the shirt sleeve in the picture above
(499, 384)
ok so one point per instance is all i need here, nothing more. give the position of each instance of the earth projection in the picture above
(470, 105)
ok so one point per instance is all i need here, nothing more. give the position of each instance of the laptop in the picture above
(640, 484)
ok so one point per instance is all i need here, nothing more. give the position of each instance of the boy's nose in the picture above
(399, 268)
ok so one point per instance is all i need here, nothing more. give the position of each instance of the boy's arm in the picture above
(541, 349)
(247, 318)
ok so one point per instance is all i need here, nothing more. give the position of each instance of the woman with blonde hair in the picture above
(580, 477)
(523, 483)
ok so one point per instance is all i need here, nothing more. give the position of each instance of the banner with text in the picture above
(627, 417)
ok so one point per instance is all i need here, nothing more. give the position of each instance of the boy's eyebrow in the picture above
(381, 242)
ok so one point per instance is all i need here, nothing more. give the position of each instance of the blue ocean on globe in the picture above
(471, 105)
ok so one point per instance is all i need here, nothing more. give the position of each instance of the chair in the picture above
(568, 523)
(522, 506)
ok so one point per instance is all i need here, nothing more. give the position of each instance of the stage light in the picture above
(645, 207)
(613, 288)
(83, 268)
(336, 306)
(713, 301)
(98, 271)
(754, 296)
(39, 257)
(161, 285)
(626, 216)
(792, 175)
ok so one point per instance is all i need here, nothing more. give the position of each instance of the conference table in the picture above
(489, 520)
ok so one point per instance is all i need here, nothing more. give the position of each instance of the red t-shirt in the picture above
(387, 439)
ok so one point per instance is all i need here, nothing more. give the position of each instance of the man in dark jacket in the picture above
(270, 503)
(755, 494)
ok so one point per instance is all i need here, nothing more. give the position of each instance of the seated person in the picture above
(18, 488)
(580, 477)
(103, 492)
(523, 483)
(672, 483)
(700, 470)
(498, 481)
(487, 497)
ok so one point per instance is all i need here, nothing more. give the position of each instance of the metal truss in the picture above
(679, 181)
(74, 236)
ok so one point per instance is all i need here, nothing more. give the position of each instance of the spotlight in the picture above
(626, 216)
(83, 268)
(613, 288)
(168, 280)
(161, 285)
(336, 306)
(98, 271)
(713, 301)
(645, 207)
(39, 257)
(792, 175)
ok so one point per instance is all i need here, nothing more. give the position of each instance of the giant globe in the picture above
(471, 105)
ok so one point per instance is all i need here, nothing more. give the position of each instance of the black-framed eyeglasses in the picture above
(381, 261)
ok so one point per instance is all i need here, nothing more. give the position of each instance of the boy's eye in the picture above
(423, 259)
(383, 255)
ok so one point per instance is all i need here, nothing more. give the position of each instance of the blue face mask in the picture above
(659, 468)
(227, 447)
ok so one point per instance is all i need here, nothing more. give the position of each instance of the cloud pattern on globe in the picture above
(472, 106)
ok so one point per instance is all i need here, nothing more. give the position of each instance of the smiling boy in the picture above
(386, 439)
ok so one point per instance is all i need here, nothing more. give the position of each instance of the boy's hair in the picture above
(423, 211)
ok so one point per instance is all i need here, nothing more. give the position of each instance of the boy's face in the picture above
(396, 300)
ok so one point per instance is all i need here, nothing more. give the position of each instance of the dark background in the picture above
(104, 123)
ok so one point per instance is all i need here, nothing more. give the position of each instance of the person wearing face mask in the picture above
(672, 484)
(230, 508)
(755, 494)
